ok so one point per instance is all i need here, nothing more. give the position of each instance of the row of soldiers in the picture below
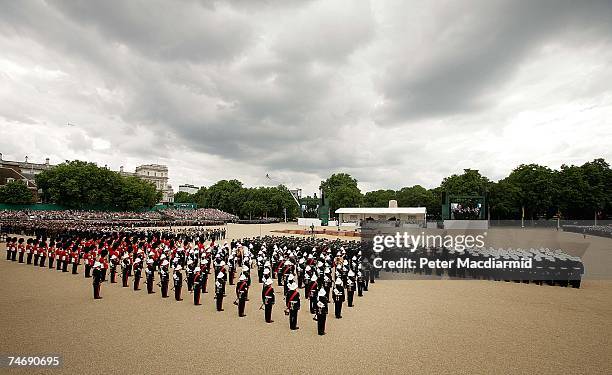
(550, 266)
(316, 270)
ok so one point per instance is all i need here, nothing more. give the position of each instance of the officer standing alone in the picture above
(97, 280)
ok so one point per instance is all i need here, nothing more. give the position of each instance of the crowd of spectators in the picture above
(79, 215)
(28, 221)
(199, 214)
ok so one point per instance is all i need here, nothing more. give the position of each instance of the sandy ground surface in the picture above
(399, 326)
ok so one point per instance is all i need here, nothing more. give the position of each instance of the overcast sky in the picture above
(395, 93)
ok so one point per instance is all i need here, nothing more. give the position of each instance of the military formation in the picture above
(546, 266)
(297, 271)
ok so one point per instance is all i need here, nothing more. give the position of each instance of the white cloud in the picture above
(395, 93)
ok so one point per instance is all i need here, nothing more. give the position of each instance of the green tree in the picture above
(569, 189)
(536, 189)
(471, 182)
(16, 192)
(414, 196)
(504, 202)
(200, 197)
(221, 194)
(598, 196)
(82, 185)
(184, 197)
(346, 196)
(378, 198)
(342, 191)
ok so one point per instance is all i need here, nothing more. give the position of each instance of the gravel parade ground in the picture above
(399, 326)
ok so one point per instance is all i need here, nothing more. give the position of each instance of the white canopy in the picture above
(382, 210)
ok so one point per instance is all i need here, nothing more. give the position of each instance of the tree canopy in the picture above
(16, 192)
(576, 192)
(231, 196)
(342, 191)
(83, 185)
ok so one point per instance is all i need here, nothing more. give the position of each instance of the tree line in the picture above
(16, 192)
(83, 185)
(247, 202)
(573, 192)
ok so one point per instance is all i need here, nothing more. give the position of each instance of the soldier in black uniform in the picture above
(97, 280)
(360, 284)
(205, 269)
(219, 290)
(231, 266)
(164, 278)
(293, 305)
(189, 273)
(311, 290)
(321, 317)
(338, 295)
(178, 282)
(242, 288)
(268, 298)
(125, 263)
(149, 273)
(197, 284)
(350, 287)
(137, 273)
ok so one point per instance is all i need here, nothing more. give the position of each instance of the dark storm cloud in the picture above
(162, 29)
(380, 89)
(476, 48)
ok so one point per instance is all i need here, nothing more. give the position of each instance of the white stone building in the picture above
(156, 174)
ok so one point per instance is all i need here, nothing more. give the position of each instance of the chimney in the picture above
(26, 158)
(0, 156)
(47, 161)
(121, 169)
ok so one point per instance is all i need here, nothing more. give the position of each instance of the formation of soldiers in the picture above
(591, 230)
(552, 267)
(315, 272)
